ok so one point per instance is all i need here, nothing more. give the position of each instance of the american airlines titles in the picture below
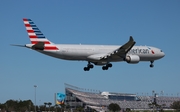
(139, 51)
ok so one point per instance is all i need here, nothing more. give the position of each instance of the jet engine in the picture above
(132, 59)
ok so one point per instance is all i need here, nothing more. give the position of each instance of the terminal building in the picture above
(99, 101)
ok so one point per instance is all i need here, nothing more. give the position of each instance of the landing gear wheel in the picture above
(109, 65)
(151, 65)
(105, 68)
(86, 68)
(90, 66)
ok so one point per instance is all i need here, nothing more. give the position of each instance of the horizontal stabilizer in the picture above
(18, 45)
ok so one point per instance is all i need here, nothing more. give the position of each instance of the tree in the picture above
(2, 107)
(176, 105)
(41, 108)
(49, 103)
(15, 105)
(114, 107)
(55, 106)
(79, 108)
(45, 105)
(62, 107)
(128, 109)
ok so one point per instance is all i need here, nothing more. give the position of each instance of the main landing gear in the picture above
(151, 65)
(89, 66)
(109, 65)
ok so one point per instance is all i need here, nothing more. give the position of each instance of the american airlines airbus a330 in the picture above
(94, 54)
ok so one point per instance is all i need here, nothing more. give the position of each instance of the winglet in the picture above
(131, 38)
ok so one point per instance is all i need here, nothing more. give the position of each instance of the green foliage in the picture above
(79, 109)
(45, 105)
(114, 107)
(14, 105)
(62, 107)
(49, 104)
(41, 108)
(27, 105)
(176, 105)
(128, 109)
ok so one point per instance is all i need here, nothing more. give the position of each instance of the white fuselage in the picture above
(82, 52)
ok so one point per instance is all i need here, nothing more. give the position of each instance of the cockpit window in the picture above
(161, 51)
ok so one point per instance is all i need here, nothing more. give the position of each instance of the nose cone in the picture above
(162, 54)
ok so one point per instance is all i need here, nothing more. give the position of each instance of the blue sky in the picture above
(154, 23)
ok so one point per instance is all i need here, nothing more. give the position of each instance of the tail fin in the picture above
(37, 36)
(34, 33)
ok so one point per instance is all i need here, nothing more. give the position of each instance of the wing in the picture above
(121, 51)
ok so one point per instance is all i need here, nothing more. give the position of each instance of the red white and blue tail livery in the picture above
(37, 36)
(102, 55)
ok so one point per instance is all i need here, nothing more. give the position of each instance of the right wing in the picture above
(121, 51)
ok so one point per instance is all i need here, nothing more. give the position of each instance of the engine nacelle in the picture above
(132, 59)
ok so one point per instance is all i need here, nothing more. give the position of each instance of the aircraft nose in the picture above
(162, 54)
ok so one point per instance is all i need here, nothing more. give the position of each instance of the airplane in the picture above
(102, 55)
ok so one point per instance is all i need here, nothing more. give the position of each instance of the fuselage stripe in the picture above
(45, 42)
(50, 48)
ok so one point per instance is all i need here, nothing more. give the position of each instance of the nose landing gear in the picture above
(152, 65)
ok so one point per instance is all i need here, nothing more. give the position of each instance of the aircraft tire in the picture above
(90, 66)
(109, 65)
(86, 68)
(105, 68)
(151, 65)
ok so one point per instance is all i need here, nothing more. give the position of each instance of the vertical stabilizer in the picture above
(36, 36)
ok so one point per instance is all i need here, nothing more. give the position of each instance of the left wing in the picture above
(121, 51)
